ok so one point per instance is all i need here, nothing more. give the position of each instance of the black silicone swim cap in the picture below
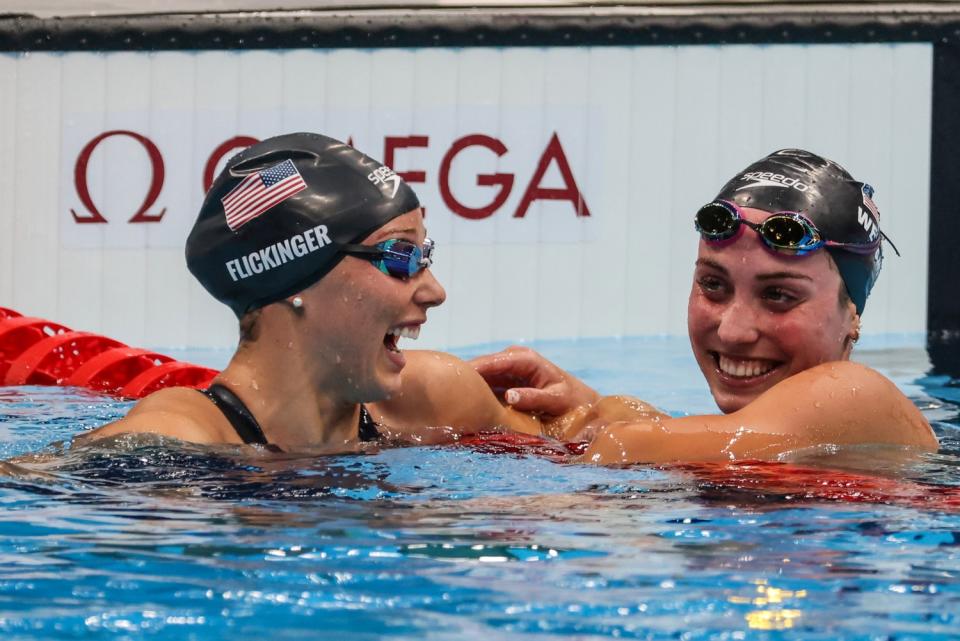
(272, 222)
(820, 189)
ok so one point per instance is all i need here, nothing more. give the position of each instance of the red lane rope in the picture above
(51, 360)
(111, 370)
(35, 351)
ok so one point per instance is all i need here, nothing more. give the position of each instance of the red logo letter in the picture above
(504, 181)
(156, 182)
(535, 192)
(391, 143)
(237, 142)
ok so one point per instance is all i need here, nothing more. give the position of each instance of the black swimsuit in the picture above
(249, 429)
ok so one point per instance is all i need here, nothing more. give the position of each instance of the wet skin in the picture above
(311, 365)
(756, 317)
(772, 335)
(350, 318)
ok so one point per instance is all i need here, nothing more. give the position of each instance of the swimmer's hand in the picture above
(530, 383)
(583, 423)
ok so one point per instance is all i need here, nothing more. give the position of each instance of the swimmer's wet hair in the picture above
(250, 326)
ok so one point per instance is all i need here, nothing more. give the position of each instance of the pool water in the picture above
(144, 540)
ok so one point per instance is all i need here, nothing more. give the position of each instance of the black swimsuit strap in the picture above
(237, 413)
(249, 429)
(368, 428)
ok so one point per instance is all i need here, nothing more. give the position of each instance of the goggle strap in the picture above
(887, 238)
(360, 250)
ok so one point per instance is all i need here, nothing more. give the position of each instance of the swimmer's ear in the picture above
(853, 335)
(296, 304)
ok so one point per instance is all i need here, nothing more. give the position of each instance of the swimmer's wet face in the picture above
(756, 317)
(357, 314)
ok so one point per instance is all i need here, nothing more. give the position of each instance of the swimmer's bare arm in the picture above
(440, 390)
(840, 403)
(583, 423)
(177, 412)
(531, 383)
(571, 409)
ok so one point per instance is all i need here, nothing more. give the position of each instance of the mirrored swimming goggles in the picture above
(785, 232)
(398, 258)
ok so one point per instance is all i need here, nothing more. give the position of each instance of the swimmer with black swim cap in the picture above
(789, 251)
(831, 210)
(280, 214)
(322, 254)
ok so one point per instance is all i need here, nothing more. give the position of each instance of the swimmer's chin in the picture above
(730, 403)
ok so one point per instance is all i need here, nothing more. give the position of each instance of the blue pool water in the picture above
(144, 541)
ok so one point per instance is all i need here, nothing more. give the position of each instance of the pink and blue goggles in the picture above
(398, 258)
(785, 232)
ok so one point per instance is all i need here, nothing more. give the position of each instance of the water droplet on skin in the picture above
(338, 359)
(818, 404)
(254, 385)
(359, 296)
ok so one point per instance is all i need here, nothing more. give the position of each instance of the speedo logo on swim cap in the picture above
(277, 254)
(383, 176)
(770, 179)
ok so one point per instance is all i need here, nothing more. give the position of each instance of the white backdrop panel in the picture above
(644, 135)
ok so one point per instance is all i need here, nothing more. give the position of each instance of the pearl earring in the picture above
(297, 302)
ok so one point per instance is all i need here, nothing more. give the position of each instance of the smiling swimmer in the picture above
(789, 251)
(322, 254)
(815, 203)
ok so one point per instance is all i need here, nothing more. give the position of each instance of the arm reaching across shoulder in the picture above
(841, 403)
(440, 390)
(571, 409)
(531, 383)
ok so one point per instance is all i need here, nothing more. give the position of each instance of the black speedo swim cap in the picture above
(820, 189)
(272, 222)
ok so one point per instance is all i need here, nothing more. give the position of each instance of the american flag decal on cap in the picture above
(868, 201)
(259, 192)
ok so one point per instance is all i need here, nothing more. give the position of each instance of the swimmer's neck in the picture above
(290, 401)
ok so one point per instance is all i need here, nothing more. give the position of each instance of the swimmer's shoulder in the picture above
(430, 381)
(441, 389)
(179, 412)
(838, 403)
(860, 404)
